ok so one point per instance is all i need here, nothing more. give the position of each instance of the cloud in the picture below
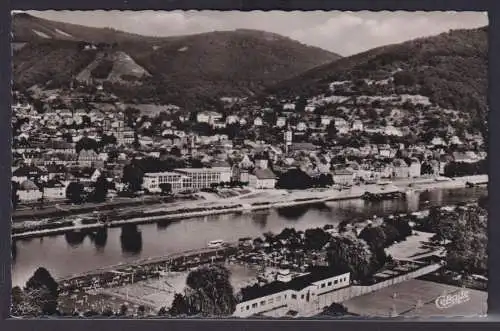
(345, 33)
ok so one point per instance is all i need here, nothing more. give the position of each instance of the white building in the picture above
(291, 292)
(289, 106)
(325, 120)
(257, 121)
(310, 108)
(281, 122)
(415, 168)
(198, 178)
(262, 179)
(301, 126)
(343, 177)
(209, 117)
(232, 119)
(29, 191)
(152, 181)
(357, 125)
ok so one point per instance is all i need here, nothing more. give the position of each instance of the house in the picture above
(232, 119)
(87, 157)
(340, 122)
(301, 126)
(392, 131)
(219, 124)
(28, 172)
(357, 125)
(455, 141)
(209, 117)
(54, 189)
(310, 108)
(400, 169)
(257, 121)
(262, 179)
(415, 168)
(290, 291)
(28, 191)
(465, 157)
(281, 122)
(289, 106)
(326, 120)
(438, 141)
(343, 177)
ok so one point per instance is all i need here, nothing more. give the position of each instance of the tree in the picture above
(316, 239)
(166, 188)
(351, 255)
(101, 187)
(210, 291)
(46, 290)
(15, 195)
(141, 310)
(179, 306)
(331, 131)
(75, 192)
(133, 176)
(123, 310)
(108, 140)
(294, 179)
(335, 309)
(374, 236)
(86, 144)
(175, 151)
(162, 311)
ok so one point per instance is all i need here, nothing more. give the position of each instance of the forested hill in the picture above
(450, 69)
(183, 70)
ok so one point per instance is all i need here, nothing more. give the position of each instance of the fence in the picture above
(325, 300)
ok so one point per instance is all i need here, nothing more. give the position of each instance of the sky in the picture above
(345, 33)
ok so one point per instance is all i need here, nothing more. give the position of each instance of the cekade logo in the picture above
(452, 299)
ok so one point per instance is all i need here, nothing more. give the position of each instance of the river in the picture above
(64, 255)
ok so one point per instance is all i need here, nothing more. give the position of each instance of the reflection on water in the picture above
(293, 213)
(131, 240)
(100, 237)
(259, 218)
(74, 238)
(14, 250)
(117, 245)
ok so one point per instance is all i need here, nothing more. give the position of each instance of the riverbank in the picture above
(261, 200)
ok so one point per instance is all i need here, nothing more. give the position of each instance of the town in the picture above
(60, 140)
(242, 173)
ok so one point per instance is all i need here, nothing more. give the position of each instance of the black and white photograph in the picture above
(249, 164)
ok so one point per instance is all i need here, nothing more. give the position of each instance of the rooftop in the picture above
(297, 283)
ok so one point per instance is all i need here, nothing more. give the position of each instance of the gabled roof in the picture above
(264, 174)
(28, 185)
(27, 171)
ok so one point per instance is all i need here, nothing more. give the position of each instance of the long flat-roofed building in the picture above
(153, 180)
(290, 292)
(198, 178)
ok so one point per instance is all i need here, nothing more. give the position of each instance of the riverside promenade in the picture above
(262, 199)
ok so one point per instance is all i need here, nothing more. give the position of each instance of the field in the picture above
(413, 248)
(157, 293)
(415, 298)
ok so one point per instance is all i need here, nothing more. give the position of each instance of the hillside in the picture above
(450, 69)
(28, 28)
(186, 70)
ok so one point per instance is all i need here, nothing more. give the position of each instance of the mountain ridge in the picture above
(184, 69)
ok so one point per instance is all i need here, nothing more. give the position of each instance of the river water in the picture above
(64, 255)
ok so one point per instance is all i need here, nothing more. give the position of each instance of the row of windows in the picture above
(270, 301)
(336, 281)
